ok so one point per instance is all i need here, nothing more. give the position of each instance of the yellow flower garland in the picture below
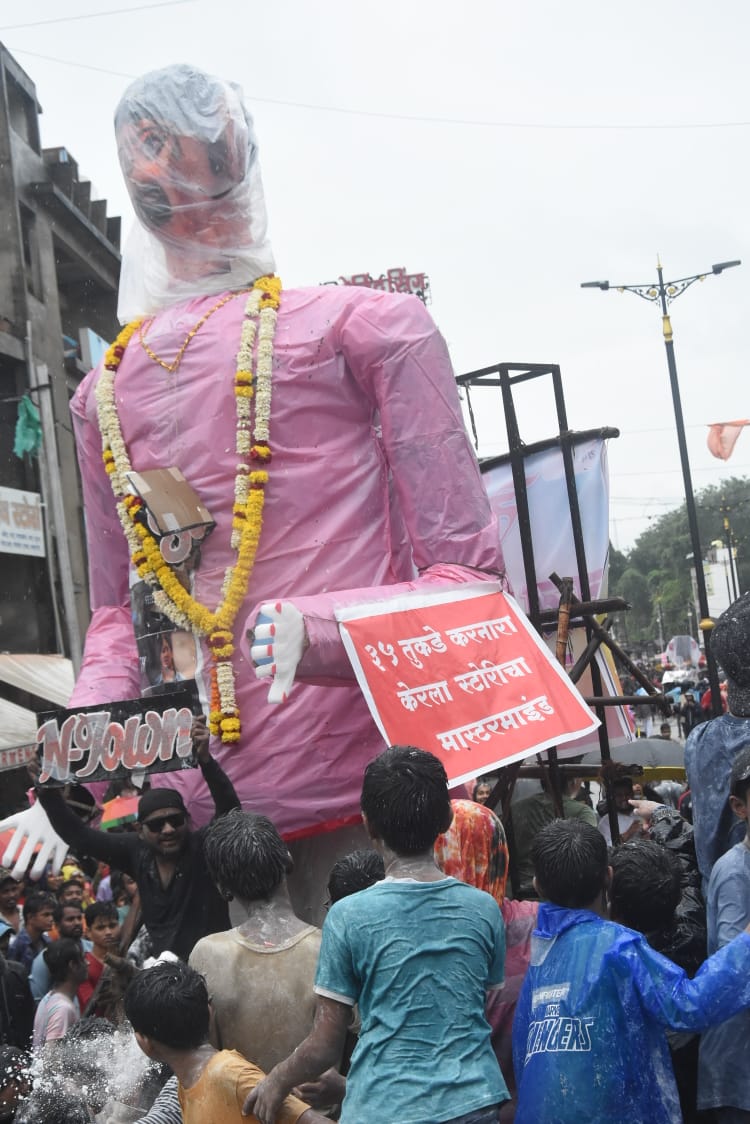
(170, 595)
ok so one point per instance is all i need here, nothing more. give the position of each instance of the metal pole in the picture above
(732, 560)
(700, 579)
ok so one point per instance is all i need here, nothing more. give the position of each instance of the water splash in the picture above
(93, 1066)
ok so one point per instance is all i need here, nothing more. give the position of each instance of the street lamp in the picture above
(664, 292)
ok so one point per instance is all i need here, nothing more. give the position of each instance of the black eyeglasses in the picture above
(158, 823)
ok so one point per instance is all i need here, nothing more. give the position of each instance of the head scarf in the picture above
(156, 799)
(474, 848)
(190, 161)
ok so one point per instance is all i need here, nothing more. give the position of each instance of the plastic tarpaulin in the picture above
(17, 725)
(48, 677)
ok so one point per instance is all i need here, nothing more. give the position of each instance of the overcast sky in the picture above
(508, 150)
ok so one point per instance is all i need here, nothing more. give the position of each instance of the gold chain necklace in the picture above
(253, 449)
(172, 367)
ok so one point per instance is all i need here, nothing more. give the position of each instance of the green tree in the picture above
(656, 571)
(634, 588)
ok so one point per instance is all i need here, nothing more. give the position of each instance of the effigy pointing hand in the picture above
(278, 642)
(32, 830)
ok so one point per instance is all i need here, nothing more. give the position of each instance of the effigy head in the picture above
(730, 646)
(188, 153)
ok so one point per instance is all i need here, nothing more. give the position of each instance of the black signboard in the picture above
(109, 740)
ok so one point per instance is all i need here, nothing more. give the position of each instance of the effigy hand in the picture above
(32, 830)
(277, 644)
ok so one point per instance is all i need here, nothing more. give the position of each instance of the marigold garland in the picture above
(252, 446)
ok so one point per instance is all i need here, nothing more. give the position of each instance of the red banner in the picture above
(17, 756)
(462, 673)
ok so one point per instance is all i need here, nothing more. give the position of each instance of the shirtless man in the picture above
(259, 974)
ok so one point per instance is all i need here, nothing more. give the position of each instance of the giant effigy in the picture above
(313, 435)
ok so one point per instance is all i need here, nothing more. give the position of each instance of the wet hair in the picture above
(739, 779)
(645, 888)
(101, 909)
(169, 1003)
(405, 798)
(53, 1106)
(245, 855)
(354, 872)
(36, 902)
(60, 907)
(730, 641)
(58, 957)
(570, 863)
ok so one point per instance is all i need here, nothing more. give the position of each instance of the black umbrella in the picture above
(651, 753)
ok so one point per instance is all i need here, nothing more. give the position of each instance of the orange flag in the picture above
(722, 437)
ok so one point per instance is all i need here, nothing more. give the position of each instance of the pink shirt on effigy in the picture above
(372, 479)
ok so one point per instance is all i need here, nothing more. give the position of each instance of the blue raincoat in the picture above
(589, 1037)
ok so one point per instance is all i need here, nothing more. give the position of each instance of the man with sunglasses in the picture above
(179, 901)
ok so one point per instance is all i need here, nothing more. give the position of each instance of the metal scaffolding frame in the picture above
(571, 610)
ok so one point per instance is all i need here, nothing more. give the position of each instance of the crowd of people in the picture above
(614, 981)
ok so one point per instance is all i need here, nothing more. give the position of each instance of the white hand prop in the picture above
(32, 829)
(277, 645)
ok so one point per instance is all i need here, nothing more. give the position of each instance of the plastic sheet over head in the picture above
(190, 160)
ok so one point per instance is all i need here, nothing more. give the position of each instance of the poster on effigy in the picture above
(462, 673)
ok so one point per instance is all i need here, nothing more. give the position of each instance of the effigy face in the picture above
(190, 162)
(181, 186)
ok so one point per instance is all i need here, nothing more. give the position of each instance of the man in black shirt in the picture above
(16, 1006)
(179, 901)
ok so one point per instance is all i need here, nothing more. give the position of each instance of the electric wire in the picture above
(94, 15)
(421, 118)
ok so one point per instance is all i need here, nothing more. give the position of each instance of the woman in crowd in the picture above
(474, 849)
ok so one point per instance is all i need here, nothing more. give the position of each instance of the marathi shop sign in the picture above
(99, 743)
(463, 674)
(21, 527)
(395, 280)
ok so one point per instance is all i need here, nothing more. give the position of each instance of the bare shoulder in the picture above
(203, 956)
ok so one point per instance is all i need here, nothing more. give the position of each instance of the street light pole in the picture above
(664, 292)
(729, 539)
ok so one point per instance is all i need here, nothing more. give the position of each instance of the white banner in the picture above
(21, 527)
(549, 511)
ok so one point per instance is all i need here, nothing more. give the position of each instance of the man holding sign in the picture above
(179, 901)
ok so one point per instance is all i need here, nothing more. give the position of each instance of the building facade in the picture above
(59, 252)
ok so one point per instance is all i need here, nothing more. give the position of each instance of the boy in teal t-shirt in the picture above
(417, 953)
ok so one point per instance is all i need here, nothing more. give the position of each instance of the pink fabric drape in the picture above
(722, 438)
